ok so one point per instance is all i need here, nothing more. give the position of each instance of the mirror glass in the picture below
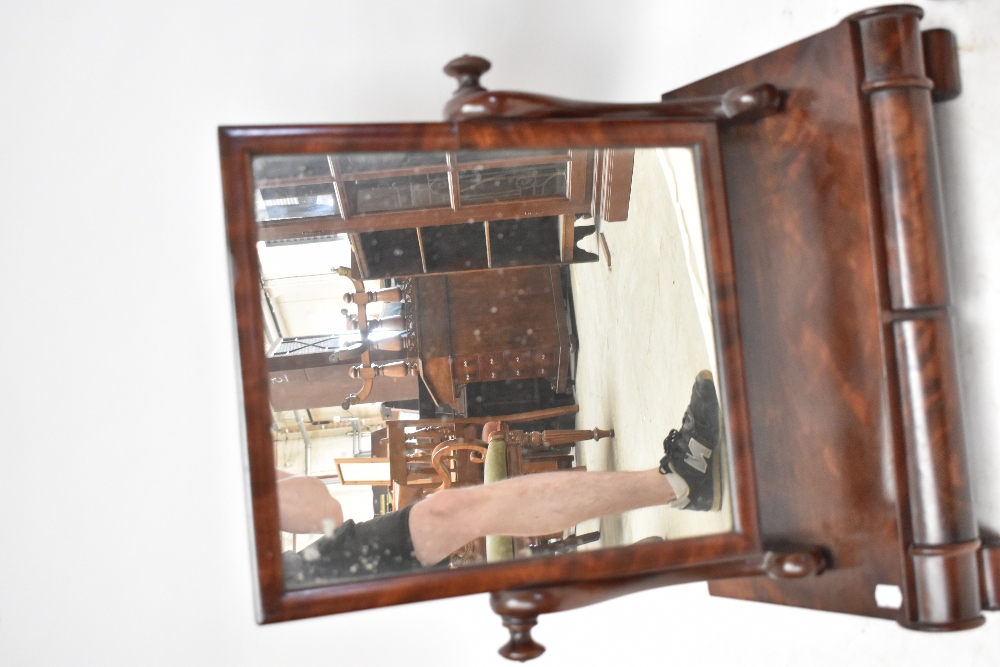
(457, 343)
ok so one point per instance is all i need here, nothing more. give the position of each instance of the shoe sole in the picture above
(717, 459)
(720, 448)
(717, 480)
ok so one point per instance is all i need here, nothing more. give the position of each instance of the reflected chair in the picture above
(429, 455)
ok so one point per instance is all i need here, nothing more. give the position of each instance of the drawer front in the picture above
(466, 368)
(546, 361)
(495, 365)
(506, 365)
(521, 363)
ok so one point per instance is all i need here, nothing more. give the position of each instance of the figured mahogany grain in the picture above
(942, 591)
(823, 224)
(989, 572)
(941, 62)
(835, 207)
(810, 305)
(938, 473)
(906, 155)
(473, 102)
(519, 609)
(239, 145)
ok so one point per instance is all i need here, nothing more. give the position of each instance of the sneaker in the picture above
(691, 451)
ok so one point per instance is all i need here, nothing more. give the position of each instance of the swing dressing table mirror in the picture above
(809, 175)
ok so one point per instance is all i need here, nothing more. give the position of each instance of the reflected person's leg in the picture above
(530, 505)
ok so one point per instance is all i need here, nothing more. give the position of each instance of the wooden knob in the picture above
(521, 646)
(795, 564)
(467, 70)
(762, 97)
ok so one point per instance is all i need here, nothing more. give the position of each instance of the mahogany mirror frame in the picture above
(239, 145)
(837, 359)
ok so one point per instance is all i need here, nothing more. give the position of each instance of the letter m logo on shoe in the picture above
(698, 455)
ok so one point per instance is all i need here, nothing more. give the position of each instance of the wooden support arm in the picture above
(519, 609)
(473, 102)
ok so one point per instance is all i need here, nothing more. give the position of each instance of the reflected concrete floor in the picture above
(645, 332)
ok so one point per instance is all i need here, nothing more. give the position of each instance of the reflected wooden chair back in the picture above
(430, 455)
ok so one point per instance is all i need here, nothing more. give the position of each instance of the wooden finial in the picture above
(467, 70)
(521, 646)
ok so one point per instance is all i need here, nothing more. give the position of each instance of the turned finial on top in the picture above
(467, 70)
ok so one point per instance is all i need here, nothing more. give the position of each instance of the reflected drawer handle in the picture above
(468, 377)
(465, 363)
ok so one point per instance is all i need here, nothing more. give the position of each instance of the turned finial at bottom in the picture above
(521, 646)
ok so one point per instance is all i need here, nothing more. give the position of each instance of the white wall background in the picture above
(124, 535)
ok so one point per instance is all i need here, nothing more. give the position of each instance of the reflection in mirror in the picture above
(486, 355)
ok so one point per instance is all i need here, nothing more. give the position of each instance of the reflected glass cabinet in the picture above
(436, 212)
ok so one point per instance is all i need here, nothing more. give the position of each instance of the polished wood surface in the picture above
(989, 572)
(906, 155)
(941, 62)
(944, 532)
(824, 225)
(810, 315)
(836, 225)
(473, 102)
(276, 604)
(943, 536)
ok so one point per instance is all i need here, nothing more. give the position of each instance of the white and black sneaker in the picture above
(691, 452)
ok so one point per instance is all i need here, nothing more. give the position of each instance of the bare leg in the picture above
(529, 505)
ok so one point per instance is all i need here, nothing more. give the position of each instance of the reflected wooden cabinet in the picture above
(491, 326)
(465, 328)
(440, 212)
